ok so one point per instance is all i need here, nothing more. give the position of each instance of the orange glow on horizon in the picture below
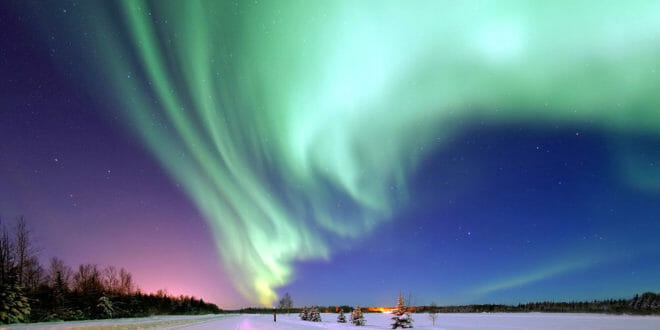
(380, 309)
(389, 310)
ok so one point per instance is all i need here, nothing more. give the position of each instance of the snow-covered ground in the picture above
(499, 321)
(153, 322)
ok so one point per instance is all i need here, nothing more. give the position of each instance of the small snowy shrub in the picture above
(341, 318)
(314, 315)
(303, 314)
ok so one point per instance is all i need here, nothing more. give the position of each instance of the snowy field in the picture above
(498, 321)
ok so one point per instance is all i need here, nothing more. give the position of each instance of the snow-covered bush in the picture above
(303, 314)
(314, 315)
(341, 318)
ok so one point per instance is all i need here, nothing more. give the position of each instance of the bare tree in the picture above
(22, 249)
(6, 254)
(433, 312)
(286, 302)
(88, 279)
(58, 278)
(161, 293)
(125, 281)
(33, 273)
(111, 280)
(56, 267)
(29, 272)
(409, 302)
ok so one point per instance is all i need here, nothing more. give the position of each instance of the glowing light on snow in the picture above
(294, 124)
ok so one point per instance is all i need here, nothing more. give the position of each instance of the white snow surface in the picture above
(499, 321)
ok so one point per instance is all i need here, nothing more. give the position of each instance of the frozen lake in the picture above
(498, 321)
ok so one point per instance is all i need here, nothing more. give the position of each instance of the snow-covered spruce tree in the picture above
(104, 307)
(401, 316)
(341, 318)
(314, 315)
(303, 314)
(14, 306)
(356, 317)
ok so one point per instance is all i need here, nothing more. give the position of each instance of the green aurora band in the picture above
(292, 125)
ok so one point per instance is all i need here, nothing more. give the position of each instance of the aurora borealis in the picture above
(299, 130)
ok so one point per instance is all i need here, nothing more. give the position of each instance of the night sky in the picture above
(339, 151)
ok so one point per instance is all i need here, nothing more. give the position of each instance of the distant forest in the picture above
(30, 292)
(647, 303)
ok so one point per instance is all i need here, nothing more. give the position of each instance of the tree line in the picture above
(30, 292)
(645, 304)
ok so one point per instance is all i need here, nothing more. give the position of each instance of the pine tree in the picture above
(104, 307)
(59, 293)
(401, 316)
(303, 314)
(59, 290)
(356, 316)
(14, 305)
(314, 315)
(341, 318)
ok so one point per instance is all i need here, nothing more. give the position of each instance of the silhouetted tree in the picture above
(23, 251)
(6, 254)
(286, 302)
(56, 269)
(126, 282)
(88, 280)
(433, 312)
(110, 279)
